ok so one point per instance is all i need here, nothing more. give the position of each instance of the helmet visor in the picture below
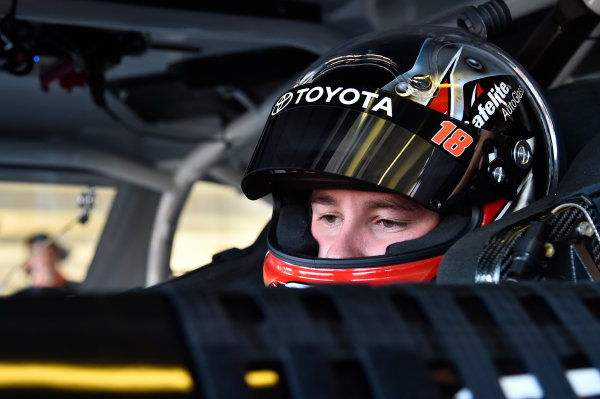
(323, 142)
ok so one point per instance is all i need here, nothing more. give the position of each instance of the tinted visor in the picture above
(321, 143)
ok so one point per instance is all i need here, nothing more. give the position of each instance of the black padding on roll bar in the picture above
(414, 341)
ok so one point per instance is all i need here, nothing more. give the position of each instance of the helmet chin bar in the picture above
(277, 272)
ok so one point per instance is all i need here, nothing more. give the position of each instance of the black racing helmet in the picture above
(435, 114)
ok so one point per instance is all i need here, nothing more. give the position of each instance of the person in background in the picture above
(43, 263)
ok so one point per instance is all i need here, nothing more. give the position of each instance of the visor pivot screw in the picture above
(522, 154)
(401, 88)
(498, 174)
(421, 82)
(473, 63)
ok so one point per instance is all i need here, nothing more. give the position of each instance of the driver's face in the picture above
(350, 224)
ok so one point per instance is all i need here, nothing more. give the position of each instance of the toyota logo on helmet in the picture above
(282, 103)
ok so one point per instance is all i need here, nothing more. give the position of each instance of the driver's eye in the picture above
(388, 223)
(330, 218)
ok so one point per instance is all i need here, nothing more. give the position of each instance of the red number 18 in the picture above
(458, 141)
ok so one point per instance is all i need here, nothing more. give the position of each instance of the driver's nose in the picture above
(348, 243)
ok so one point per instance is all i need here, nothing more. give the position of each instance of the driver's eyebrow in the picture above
(387, 204)
(322, 199)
